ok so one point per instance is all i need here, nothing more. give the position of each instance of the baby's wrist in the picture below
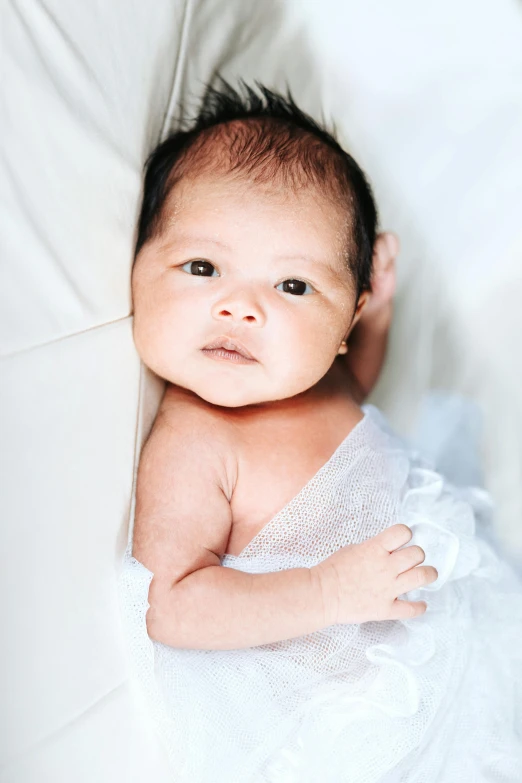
(324, 576)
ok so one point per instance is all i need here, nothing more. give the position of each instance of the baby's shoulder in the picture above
(193, 430)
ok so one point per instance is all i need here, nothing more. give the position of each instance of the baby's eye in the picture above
(298, 287)
(200, 267)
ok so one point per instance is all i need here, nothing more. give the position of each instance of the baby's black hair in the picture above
(264, 136)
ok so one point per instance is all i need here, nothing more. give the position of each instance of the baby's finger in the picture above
(404, 559)
(415, 578)
(394, 537)
(405, 610)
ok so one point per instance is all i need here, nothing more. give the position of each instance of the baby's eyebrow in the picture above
(180, 242)
(324, 262)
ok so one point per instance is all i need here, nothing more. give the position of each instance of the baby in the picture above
(273, 594)
(254, 265)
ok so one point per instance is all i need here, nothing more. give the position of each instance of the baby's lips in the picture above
(230, 344)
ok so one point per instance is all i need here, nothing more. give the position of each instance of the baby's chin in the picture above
(235, 395)
(233, 399)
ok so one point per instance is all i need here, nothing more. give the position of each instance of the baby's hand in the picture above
(362, 582)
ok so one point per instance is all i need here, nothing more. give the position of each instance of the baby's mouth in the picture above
(227, 349)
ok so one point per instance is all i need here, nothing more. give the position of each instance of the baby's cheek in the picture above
(151, 336)
(298, 373)
(144, 339)
(320, 345)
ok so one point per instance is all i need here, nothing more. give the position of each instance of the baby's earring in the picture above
(343, 348)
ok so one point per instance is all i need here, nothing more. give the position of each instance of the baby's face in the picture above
(259, 268)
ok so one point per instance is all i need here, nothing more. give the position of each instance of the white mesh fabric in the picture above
(435, 698)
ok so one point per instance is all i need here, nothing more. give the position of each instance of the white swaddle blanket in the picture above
(435, 698)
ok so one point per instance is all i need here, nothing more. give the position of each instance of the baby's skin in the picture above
(243, 304)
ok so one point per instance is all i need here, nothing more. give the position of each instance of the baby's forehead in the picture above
(224, 200)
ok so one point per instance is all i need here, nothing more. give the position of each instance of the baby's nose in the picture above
(240, 306)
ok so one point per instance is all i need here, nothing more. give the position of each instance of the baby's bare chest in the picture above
(275, 462)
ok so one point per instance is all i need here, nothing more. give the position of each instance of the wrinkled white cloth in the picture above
(435, 698)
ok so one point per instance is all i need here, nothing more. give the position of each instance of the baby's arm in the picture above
(182, 526)
(183, 522)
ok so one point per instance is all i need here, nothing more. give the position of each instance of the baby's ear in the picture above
(385, 251)
(363, 300)
(361, 304)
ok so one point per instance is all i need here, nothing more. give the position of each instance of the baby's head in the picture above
(256, 235)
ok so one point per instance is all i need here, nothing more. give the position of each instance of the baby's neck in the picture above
(336, 386)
